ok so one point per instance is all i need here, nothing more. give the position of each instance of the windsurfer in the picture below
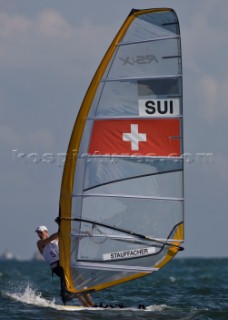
(48, 246)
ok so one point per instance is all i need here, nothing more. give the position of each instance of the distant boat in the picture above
(122, 202)
(7, 255)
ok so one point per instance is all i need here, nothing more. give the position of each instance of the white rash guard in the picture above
(51, 252)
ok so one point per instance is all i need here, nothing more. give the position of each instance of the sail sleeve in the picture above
(122, 201)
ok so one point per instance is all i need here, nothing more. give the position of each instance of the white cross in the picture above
(134, 137)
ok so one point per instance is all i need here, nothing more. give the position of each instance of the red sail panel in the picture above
(147, 137)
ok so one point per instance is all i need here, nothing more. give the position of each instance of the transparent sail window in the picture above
(104, 170)
(159, 216)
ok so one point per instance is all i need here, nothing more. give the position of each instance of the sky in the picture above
(49, 51)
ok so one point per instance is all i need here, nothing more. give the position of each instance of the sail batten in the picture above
(127, 117)
(111, 267)
(148, 40)
(126, 238)
(122, 197)
(142, 78)
(126, 196)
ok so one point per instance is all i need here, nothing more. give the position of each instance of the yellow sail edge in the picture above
(173, 250)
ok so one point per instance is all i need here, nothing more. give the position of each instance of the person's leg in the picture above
(66, 295)
(88, 299)
(83, 301)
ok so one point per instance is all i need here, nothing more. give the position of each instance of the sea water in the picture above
(186, 289)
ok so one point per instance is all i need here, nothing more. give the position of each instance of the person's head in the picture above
(42, 232)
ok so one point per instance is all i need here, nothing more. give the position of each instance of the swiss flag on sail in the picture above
(151, 137)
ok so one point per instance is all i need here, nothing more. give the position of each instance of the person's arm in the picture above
(41, 244)
(52, 237)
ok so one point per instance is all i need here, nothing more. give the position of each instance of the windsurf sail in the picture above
(121, 200)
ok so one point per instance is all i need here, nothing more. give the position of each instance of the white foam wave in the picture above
(172, 279)
(160, 307)
(30, 296)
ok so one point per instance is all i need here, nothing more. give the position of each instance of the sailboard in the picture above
(121, 211)
(115, 308)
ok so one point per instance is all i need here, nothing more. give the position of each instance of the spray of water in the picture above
(30, 296)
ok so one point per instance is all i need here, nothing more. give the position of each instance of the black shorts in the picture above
(56, 270)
